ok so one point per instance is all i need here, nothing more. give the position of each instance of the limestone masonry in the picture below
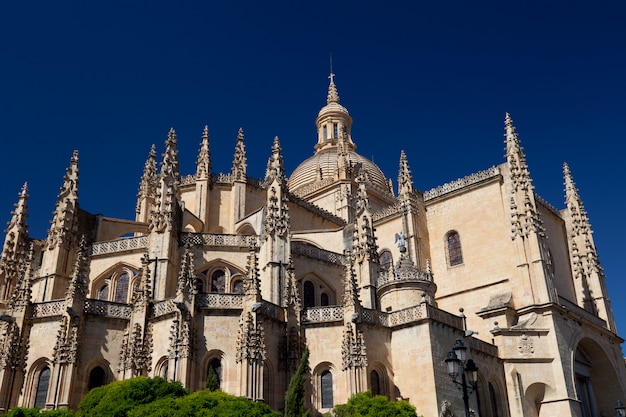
(238, 275)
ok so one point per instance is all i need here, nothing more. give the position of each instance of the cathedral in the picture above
(475, 298)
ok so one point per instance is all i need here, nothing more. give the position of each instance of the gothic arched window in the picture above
(42, 387)
(215, 366)
(121, 288)
(326, 380)
(386, 261)
(324, 300)
(218, 281)
(309, 294)
(374, 383)
(238, 286)
(103, 294)
(97, 378)
(453, 245)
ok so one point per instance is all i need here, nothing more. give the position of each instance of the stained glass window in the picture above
(455, 254)
(327, 389)
(42, 387)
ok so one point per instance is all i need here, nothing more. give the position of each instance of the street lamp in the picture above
(459, 364)
(620, 410)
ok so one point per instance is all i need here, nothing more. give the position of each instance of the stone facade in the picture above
(237, 274)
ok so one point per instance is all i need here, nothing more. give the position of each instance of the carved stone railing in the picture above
(163, 307)
(108, 309)
(119, 245)
(444, 317)
(547, 205)
(187, 179)
(461, 183)
(391, 277)
(47, 309)
(407, 315)
(309, 188)
(581, 312)
(221, 301)
(222, 178)
(375, 317)
(315, 209)
(209, 239)
(387, 211)
(323, 314)
(311, 251)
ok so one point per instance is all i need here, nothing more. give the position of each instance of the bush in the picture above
(204, 403)
(364, 404)
(36, 412)
(117, 398)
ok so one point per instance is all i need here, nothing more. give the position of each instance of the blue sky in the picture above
(434, 78)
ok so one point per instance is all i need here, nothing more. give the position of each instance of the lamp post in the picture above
(620, 410)
(460, 364)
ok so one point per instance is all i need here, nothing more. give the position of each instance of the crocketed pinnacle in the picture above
(148, 183)
(19, 215)
(515, 156)
(65, 221)
(275, 168)
(239, 160)
(405, 179)
(580, 221)
(169, 166)
(203, 164)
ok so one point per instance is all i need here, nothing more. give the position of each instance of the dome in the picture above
(323, 165)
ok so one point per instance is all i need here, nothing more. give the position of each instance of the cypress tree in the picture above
(294, 397)
(212, 382)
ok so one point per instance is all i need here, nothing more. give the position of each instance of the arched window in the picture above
(97, 378)
(374, 383)
(238, 286)
(215, 366)
(386, 261)
(103, 294)
(327, 389)
(42, 387)
(199, 285)
(324, 300)
(455, 254)
(218, 281)
(121, 288)
(309, 294)
(494, 400)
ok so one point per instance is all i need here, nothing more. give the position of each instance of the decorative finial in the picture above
(331, 76)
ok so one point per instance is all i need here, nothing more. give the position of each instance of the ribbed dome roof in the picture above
(323, 164)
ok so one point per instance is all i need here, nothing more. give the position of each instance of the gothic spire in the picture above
(203, 163)
(77, 288)
(22, 292)
(15, 244)
(580, 221)
(515, 156)
(19, 215)
(64, 224)
(165, 205)
(350, 286)
(169, 166)
(405, 179)
(148, 183)
(239, 161)
(275, 168)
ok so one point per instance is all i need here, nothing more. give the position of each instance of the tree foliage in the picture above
(117, 398)
(364, 404)
(212, 381)
(294, 397)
